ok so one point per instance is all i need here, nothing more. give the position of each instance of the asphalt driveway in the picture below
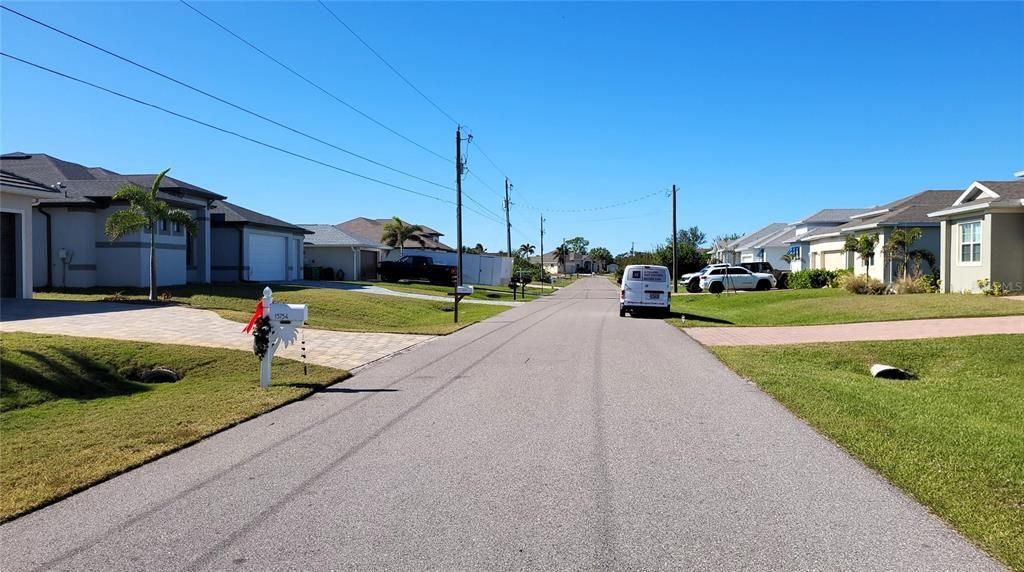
(553, 436)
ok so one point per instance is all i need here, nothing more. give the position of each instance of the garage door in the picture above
(835, 260)
(268, 257)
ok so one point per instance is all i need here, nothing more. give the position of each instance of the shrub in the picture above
(919, 285)
(836, 279)
(932, 280)
(863, 284)
(814, 278)
(991, 288)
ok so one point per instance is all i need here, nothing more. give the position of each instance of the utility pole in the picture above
(543, 273)
(458, 217)
(508, 223)
(675, 243)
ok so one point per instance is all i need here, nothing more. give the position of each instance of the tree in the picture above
(479, 249)
(396, 233)
(898, 246)
(527, 249)
(562, 254)
(692, 236)
(864, 246)
(577, 244)
(144, 211)
(789, 258)
(724, 238)
(602, 256)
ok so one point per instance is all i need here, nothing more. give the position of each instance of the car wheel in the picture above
(716, 288)
(764, 285)
(622, 312)
(693, 286)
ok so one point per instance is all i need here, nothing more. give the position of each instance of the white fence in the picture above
(489, 269)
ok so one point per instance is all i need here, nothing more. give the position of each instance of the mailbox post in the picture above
(285, 320)
(460, 293)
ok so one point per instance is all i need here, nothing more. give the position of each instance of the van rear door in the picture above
(654, 282)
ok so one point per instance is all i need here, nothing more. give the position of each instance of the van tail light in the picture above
(622, 293)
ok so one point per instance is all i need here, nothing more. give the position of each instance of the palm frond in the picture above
(135, 195)
(182, 218)
(124, 222)
(156, 182)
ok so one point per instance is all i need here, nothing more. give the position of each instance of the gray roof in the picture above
(224, 213)
(12, 182)
(910, 210)
(831, 215)
(759, 237)
(330, 235)
(83, 184)
(1007, 190)
(780, 239)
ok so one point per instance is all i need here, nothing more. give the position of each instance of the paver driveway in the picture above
(553, 436)
(190, 326)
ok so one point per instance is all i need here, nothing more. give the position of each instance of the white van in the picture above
(645, 287)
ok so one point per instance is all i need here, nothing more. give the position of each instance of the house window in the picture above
(970, 241)
(177, 228)
(163, 226)
(190, 257)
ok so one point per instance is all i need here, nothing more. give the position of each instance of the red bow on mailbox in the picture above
(255, 316)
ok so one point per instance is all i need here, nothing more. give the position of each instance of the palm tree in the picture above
(479, 249)
(144, 212)
(864, 246)
(527, 249)
(397, 232)
(561, 255)
(898, 245)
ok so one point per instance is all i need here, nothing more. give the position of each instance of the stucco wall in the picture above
(964, 276)
(334, 257)
(1007, 248)
(21, 207)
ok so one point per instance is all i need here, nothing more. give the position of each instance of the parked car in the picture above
(781, 276)
(691, 280)
(645, 287)
(416, 269)
(718, 280)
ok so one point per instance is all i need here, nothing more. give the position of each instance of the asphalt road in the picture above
(554, 436)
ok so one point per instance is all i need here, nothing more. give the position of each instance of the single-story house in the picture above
(249, 246)
(17, 195)
(574, 263)
(817, 223)
(373, 231)
(350, 257)
(71, 247)
(754, 247)
(982, 236)
(827, 245)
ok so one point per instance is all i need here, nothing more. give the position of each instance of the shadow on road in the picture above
(355, 390)
(698, 318)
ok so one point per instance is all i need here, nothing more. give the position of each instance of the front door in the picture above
(8, 255)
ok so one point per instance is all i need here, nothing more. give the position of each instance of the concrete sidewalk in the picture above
(189, 326)
(865, 331)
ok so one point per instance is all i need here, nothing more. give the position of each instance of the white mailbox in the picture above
(464, 290)
(294, 315)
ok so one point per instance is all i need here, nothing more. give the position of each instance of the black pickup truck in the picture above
(416, 269)
(781, 276)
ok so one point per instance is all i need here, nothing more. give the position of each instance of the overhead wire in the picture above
(314, 84)
(225, 101)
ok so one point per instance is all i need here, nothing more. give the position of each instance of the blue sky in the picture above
(760, 112)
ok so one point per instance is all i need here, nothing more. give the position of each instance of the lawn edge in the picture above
(9, 518)
(855, 458)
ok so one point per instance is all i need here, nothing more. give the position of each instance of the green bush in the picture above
(862, 284)
(814, 278)
(919, 285)
(835, 280)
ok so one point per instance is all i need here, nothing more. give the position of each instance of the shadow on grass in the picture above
(25, 383)
(698, 318)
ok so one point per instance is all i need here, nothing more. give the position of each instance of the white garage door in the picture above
(268, 258)
(835, 260)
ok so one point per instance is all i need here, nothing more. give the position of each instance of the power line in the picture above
(223, 130)
(590, 209)
(224, 101)
(391, 67)
(312, 83)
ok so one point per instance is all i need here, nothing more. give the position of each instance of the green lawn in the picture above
(71, 414)
(328, 309)
(830, 306)
(953, 439)
(480, 292)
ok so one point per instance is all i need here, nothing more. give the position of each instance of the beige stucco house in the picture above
(982, 236)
